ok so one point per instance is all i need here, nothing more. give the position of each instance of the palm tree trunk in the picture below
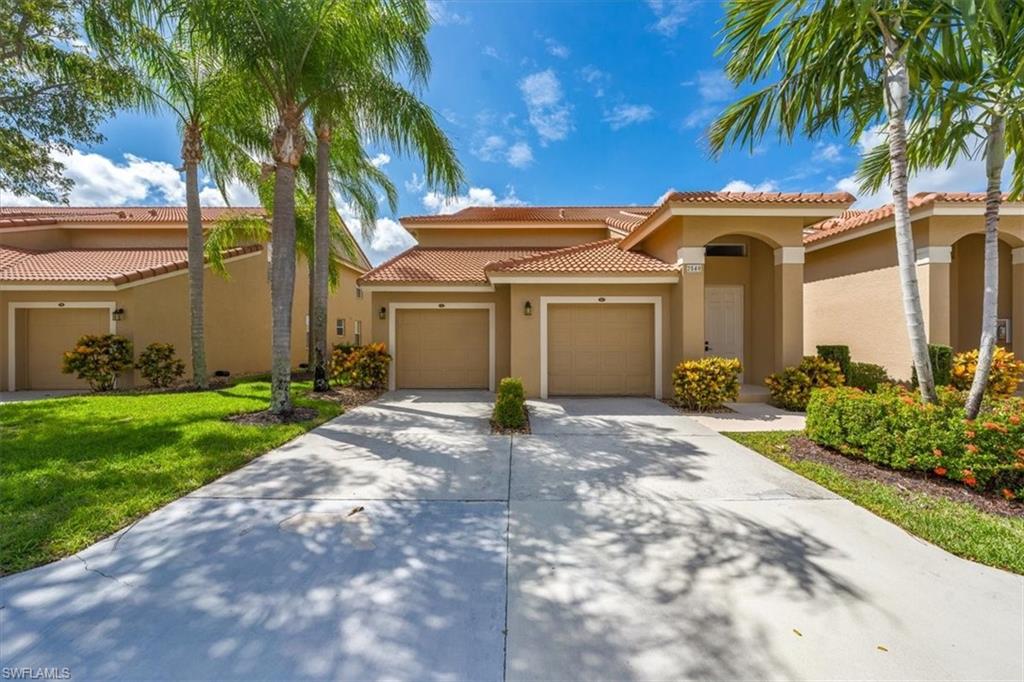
(995, 157)
(287, 144)
(192, 154)
(897, 87)
(321, 256)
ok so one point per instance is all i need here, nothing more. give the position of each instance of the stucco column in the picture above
(934, 264)
(789, 306)
(1017, 311)
(691, 316)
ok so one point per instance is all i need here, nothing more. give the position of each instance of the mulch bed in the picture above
(801, 448)
(266, 417)
(522, 430)
(348, 396)
(682, 410)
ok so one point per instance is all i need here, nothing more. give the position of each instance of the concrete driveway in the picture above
(618, 541)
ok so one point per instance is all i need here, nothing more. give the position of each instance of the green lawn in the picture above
(74, 470)
(957, 527)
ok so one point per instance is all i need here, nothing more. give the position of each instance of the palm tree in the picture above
(842, 65)
(181, 75)
(292, 52)
(975, 92)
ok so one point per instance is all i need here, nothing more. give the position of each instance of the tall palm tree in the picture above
(842, 65)
(181, 75)
(975, 92)
(292, 51)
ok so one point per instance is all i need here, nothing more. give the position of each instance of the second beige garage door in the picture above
(601, 349)
(442, 348)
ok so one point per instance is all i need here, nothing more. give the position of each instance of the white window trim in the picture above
(439, 305)
(545, 301)
(14, 306)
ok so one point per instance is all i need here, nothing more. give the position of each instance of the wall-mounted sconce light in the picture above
(118, 314)
(527, 309)
(383, 313)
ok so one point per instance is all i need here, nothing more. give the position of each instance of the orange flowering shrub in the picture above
(1003, 379)
(99, 360)
(893, 428)
(361, 366)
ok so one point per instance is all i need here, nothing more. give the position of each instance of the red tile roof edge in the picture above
(586, 246)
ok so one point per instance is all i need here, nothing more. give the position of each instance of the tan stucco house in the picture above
(598, 300)
(68, 271)
(852, 294)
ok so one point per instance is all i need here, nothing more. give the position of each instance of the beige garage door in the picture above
(601, 349)
(442, 348)
(49, 333)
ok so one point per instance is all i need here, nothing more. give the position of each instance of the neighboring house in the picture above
(68, 271)
(598, 300)
(852, 294)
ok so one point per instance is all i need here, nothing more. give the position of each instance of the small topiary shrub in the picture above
(1003, 378)
(791, 388)
(839, 355)
(509, 405)
(941, 358)
(867, 377)
(367, 366)
(706, 384)
(99, 359)
(894, 428)
(158, 366)
(338, 371)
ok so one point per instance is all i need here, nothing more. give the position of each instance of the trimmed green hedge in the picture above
(510, 404)
(706, 384)
(867, 377)
(895, 429)
(839, 355)
(942, 365)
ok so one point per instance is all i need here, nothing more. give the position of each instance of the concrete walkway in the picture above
(26, 396)
(752, 417)
(619, 541)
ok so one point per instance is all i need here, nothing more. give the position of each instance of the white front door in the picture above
(723, 321)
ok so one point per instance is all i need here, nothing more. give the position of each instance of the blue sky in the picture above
(547, 103)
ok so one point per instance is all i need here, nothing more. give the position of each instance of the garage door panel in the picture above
(605, 349)
(442, 348)
(50, 333)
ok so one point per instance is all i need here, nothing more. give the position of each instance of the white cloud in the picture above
(699, 117)
(491, 51)
(477, 196)
(442, 14)
(102, 182)
(549, 114)
(380, 160)
(415, 184)
(238, 194)
(557, 49)
(596, 78)
(669, 15)
(664, 195)
(627, 114)
(714, 86)
(519, 155)
(742, 186)
(388, 237)
(491, 148)
(828, 152)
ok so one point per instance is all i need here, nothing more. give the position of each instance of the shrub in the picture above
(367, 366)
(894, 428)
(839, 355)
(1006, 374)
(509, 406)
(99, 359)
(158, 365)
(867, 377)
(338, 371)
(707, 383)
(941, 358)
(791, 388)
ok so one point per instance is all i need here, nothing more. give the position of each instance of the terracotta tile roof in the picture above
(852, 219)
(113, 266)
(41, 215)
(762, 197)
(594, 257)
(546, 214)
(443, 265)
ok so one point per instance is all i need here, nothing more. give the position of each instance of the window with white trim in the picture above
(339, 327)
